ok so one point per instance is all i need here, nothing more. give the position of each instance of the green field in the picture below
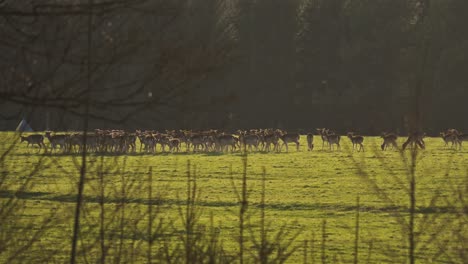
(303, 190)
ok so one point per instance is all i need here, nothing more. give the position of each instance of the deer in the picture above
(452, 131)
(198, 142)
(183, 136)
(415, 139)
(333, 138)
(117, 141)
(128, 142)
(356, 140)
(271, 139)
(323, 134)
(75, 142)
(454, 136)
(174, 144)
(210, 143)
(389, 140)
(150, 143)
(147, 140)
(250, 140)
(223, 142)
(288, 138)
(34, 140)
(310, 142)
(449, 138)
(57, 140)
(92, 142)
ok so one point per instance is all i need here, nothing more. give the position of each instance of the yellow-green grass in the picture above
(302, 190)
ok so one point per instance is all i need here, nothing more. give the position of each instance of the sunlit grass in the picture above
(302, 189)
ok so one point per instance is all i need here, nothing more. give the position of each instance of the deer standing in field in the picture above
(449, 138)
(147, 141)
(288, 138)
(34, 140)
(455, 137)
(333, 138)
(250, 141)
(310, 141)
(389, 140)
(356, 140)
(75, 142)
(415, 139)
(198, 142)
(223, 142)
(183, 136)
(323, 134)
(210, 143)
(161, 139)
(271, 139)
(150, 143)
(174, 144)
(57, 140)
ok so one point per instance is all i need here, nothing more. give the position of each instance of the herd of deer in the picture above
(119, 141)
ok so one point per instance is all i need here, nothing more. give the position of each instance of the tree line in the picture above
(237, 63)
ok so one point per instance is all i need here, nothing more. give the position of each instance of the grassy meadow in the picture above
(143, 206)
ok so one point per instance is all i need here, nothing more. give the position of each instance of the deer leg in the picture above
(420, 144)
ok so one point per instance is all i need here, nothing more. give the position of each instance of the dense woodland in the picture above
(297, 64)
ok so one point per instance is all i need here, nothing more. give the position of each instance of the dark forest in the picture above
(201, 64)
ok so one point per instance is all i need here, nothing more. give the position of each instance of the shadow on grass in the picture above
(71, 198)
